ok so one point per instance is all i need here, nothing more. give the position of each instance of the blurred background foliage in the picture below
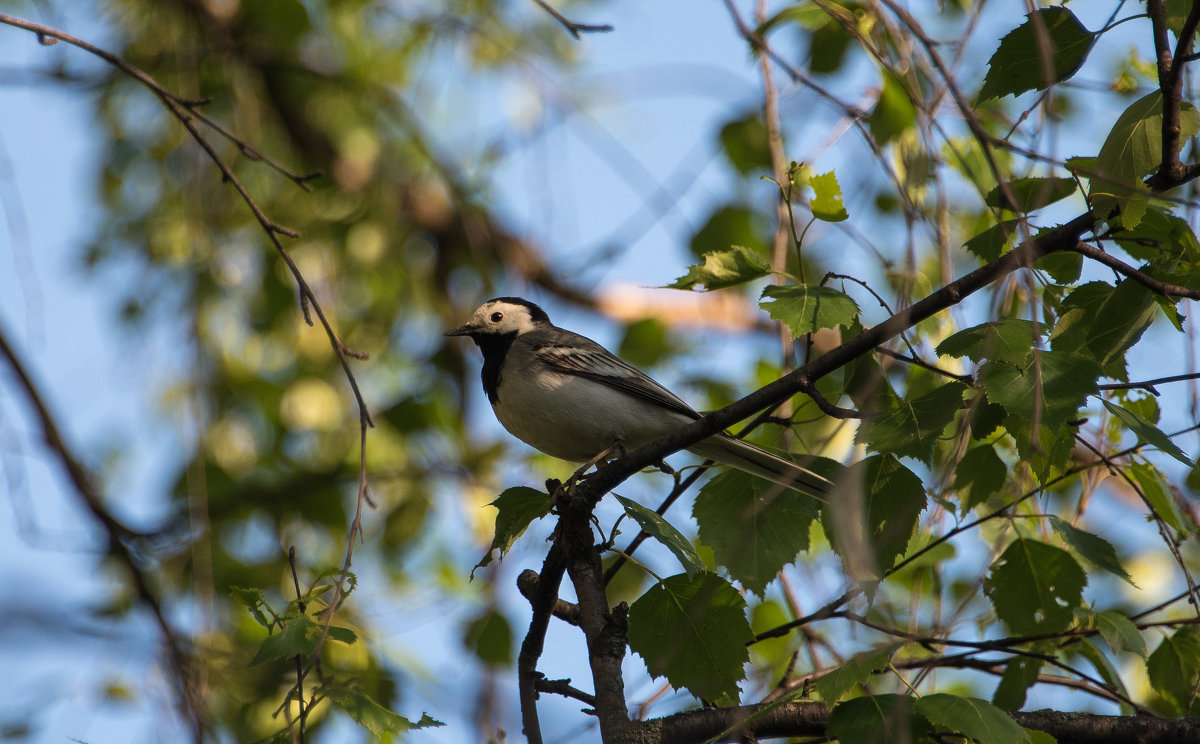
(416, 113)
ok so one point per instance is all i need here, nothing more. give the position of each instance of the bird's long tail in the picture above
(746, 457)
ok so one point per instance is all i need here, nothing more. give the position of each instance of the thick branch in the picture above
(810, 719)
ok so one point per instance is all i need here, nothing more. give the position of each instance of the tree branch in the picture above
(1119, 266)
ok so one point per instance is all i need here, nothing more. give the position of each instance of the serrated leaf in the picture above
(1174, 666)
(990, 244)
(912, 429)
(974, 718)
(894, 112)
(875, 719)
(1019, 675)
(1029, 194)
(754, 527)
(880, 525)
(1052, 40)
(1094, 549)
(726, 268)
(665, 533)
(805, 308)
(374, 717)
(1148, 432)
(298, 637)
(1009, 340)
(1061, 382)
(1160, 498)
(1035, 587)
(516, 508)
(826, 204)
(1131, 151)
(854, 671)
(693, 632)
(982, 472)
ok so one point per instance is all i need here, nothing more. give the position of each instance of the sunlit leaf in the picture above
(894, 112)
(826, 204)
(854, 671)
(805, 308)
(728, 268)
(374, 717)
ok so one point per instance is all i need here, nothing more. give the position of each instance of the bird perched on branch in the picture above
(571, 398)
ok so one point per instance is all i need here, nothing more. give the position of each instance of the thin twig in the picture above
(572, 27)
(1116, 264)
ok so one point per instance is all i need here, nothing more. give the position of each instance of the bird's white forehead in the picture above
(513, 317)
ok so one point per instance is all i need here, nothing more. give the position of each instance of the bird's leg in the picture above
(599, 458)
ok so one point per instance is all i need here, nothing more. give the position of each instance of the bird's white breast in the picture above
(572, 417)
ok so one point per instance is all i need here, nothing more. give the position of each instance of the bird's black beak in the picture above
(462, 330)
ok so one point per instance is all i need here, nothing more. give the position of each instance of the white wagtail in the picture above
(571, 398)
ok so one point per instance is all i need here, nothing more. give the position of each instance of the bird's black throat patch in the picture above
(494, 348)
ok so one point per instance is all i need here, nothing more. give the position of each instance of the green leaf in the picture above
(373, 716)
(516, 507)
(1060, 382)
(981, 472)
(876, 719)
(894, 499)
(664, 532)
(826, 204)
(974, 718)
(913, 428)
(1094, 549)
(1048, 48)
(645, 343)
(693, 632)
(745, 142)
(1148, 432)
(1119, 324)
(1009, 340)
(1174, 666)
(1019, 675)
(805, 308)
(1030, 193)
(253, 600)
(1035, 587)
(730, 224)
(727, 268)
(754, 527)
(1131, 151)
(298, 637)
(809, 17)
(894, 112)
(989, 245)
(1117, 630)
(858, 669)
(490, 637)
(1160, 497)
(1064, 267)
(1107, 671)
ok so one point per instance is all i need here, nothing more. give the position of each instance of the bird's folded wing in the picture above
(594, 363)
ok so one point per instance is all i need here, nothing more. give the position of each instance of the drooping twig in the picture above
(1116, 264)
(572, 27)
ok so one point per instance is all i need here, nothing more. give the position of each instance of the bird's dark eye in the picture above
(497, 317)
